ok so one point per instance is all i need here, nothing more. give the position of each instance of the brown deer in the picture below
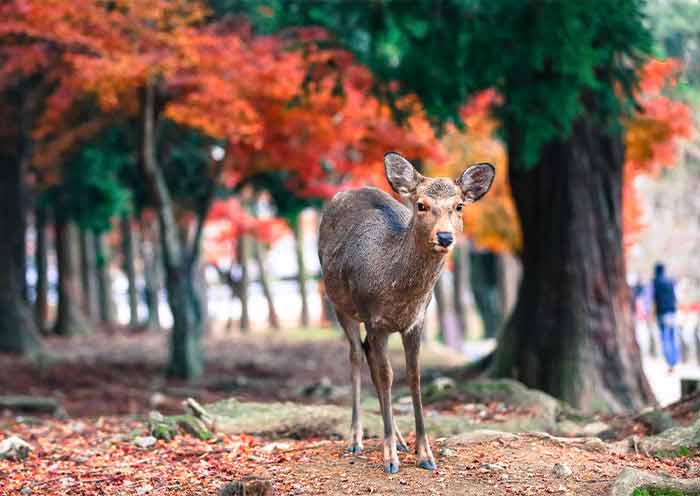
(380, 260)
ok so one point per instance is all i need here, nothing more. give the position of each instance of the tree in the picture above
(566, 73)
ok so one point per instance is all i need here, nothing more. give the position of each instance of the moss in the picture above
(656, 492)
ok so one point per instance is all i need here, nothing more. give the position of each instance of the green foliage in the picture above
(91, 191)
(553, 61)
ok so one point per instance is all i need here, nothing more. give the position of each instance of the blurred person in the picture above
(642, 304)
(665, 303)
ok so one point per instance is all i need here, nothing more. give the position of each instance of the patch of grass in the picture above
(655, 492)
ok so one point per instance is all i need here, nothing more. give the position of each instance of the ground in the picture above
(108, 384)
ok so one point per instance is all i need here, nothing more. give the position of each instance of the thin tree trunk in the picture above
(186, 359)
(104, 279)
(150, 256)
(243, 282)
(441, 309)
(41, 303)
(483, 272)
(18, 331)
(571, 333)
(458, 288)
(272, 318)
(129, 267)
(305, 320)
(71, 319)
(88, 274)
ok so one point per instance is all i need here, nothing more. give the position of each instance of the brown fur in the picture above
(380, 260)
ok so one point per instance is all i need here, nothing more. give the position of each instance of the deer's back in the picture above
(358, 240)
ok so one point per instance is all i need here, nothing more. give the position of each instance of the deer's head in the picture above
(437, 202)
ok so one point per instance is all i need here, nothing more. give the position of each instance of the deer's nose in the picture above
(445, 239)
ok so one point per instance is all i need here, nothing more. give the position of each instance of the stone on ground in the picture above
(631, 479)
(14, 448)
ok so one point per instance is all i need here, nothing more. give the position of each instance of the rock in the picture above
(656, 420)
(145, 441)
(673, 442)
(156, 399)
(447, 452)
(248, 486)
(26, 490)
(478, 436)
(631, 479)
(594, 429)
(145, 489)
(561, 471)
(493, 466)
(194, 427)
(156, 416)
(14, 448)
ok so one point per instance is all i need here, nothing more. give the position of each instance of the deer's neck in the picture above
(416, 266)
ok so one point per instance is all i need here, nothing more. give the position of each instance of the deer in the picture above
(380, 259)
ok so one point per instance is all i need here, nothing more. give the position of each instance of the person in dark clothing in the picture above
(665, 303)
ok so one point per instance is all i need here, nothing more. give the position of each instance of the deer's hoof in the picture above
(402, 447)
(354, 448)
(391, 467)
(427, 464)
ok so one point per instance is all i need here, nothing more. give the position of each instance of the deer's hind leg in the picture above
(352, 331)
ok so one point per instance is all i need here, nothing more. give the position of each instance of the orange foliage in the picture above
(652, 135)
(492, 223)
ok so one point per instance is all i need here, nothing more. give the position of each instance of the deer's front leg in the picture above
(383, 376)
(411, 345)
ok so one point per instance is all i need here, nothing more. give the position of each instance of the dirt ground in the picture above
(99, 457)
(108, 384)
(123, 373)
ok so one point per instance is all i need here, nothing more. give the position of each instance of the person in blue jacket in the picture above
(665, 303)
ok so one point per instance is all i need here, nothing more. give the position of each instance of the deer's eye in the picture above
(459, 207)
(422, 207)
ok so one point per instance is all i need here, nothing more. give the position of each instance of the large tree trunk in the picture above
(129, 267)
(259, 257)
(71, 319)
(244, 280)
(571, 332)
(18, 331)
(186, 359)
(41, 303)
(88, 274)
(104, 279)
(298, 230)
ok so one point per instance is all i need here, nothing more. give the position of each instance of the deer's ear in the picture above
(476, 181)
(401, 175)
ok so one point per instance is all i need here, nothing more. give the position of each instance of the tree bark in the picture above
(129, 267)
(458, 287)
(186, 360)
(71, 319)
(305, 320)
(88, 274)
(272, 318)
(150, 255)
(571, 332)
(243, 281)
(18, 331)
(41, 303)
(104, 279)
